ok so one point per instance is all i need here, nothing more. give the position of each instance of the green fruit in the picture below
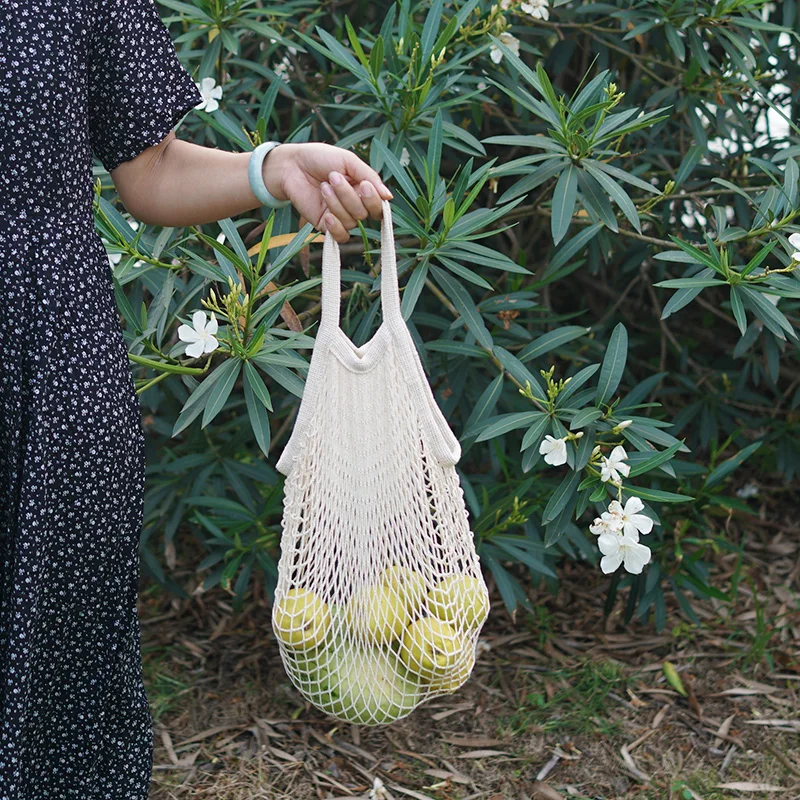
(431, 649)
(459, 600)
(377, 615)
(408, 585)
(300, 619)
(367, 687)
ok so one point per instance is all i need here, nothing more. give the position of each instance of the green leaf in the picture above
(683, 297)
(774, 320)
(692, 158)
(434, 159)
(124, 306)
(561, 496)
(613, 365)
(698, 255)
(656, 460)
(220, 393)
(656, 495)
(689, 283)
(465, 306)
(259, 421)
(504, 423)
(486, 403)
(355, 44)
(519, 371)
(673, 678)
(535, 434)
(596, 200)
(599, 493)
(676, 43)
(729, 465)
(550, 341)
(575, 383)
(618, 194)
(397, 169)
(456, 347)
(737, 307)
(564, 198)
(257, 385)
(756, 260)
(584, 417)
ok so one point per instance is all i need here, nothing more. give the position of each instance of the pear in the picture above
(431, 649)
(455, 677)
(408, 584)
(300, 619)
(459, 600)
(367, 687)
(377, 614)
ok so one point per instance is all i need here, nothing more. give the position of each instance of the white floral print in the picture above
(76, 76)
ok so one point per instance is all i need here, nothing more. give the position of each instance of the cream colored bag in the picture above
(380, 596)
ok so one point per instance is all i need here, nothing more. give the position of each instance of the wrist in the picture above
(272, 172)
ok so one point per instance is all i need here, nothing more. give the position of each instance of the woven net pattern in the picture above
(380, 597)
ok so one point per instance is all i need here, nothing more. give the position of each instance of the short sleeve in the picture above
(138, 89)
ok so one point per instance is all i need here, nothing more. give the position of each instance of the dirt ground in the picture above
(563, 703)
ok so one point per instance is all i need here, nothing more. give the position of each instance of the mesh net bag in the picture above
(380, 597)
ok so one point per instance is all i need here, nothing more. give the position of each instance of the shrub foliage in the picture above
(593, 208)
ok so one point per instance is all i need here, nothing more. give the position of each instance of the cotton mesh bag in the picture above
(380, 597)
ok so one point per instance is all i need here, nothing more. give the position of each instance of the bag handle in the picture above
(331, 275)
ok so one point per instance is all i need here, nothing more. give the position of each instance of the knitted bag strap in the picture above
(331, 276)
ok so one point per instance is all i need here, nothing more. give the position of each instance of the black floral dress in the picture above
(76, 76)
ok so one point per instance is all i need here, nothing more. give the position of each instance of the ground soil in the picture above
(563, 702)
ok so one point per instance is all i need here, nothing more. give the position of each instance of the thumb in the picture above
(358, 171)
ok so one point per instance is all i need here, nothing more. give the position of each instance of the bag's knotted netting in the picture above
(380, 597)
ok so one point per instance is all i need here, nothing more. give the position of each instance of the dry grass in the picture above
(563, 703)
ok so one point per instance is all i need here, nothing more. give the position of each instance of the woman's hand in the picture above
(329, 186)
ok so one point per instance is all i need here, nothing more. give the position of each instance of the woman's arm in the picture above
(176, 183)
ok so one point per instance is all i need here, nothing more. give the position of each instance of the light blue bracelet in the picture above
(256, 177)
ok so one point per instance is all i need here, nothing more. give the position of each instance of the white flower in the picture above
(200, 334)
(511, 42)
(337, 98)
(536, 9)
(606, 523)
(211, 93)
(405, 158)
(631, 521)
(612, 467)
(133, 223)
(481, 85)
(794, 241)
(378, 791)
(554, 450)
(747, 491)
(505, 4)
(113, 258)
(618, 550)
(282, 69)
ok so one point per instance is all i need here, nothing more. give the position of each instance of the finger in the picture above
(334, 225)
(335, 204)
(358, 171)
(371, 199)
(347, 196)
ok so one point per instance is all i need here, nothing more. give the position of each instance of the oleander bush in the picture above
(596, 209)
